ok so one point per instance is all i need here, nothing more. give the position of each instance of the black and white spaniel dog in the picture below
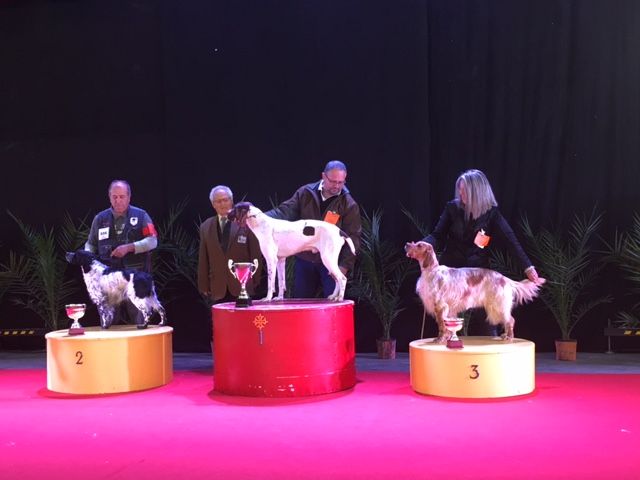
(108, 288)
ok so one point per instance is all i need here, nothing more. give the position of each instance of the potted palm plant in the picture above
(625, 253)
(175, 259)
(567, 260)
(380, 272)
(35, 278)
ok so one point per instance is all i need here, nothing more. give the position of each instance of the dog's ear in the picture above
(429, 256)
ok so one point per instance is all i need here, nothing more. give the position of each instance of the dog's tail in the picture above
(526, 290)
(350, 243)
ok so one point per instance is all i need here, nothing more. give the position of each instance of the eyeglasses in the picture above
(334, 182)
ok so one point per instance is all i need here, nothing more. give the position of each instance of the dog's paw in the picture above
(141, 326)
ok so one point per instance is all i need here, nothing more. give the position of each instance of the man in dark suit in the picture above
(220, 241)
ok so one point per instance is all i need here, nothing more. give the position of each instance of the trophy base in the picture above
(456, 344)
(243, 302)
(76, 331)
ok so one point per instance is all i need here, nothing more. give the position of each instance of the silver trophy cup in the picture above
(453, 325)
(75, 311)
(243, 271)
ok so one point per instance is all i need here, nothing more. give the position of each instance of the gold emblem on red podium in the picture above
(260, 321)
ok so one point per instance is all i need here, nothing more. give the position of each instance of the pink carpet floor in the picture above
(572, 426)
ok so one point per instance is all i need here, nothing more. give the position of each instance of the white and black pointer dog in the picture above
(280, 239)
(445, 292)
(108, 288)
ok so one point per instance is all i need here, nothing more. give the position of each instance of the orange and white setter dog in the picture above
(446, 292)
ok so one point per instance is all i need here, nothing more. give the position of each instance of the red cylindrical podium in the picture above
(284, 348)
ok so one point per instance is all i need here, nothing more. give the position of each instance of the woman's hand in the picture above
(532, 274)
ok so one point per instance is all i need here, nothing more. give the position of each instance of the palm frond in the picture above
(585, 307)
(627, 320)
(176, 256)
(568, 263)
(625, 252)
(422, 227)
(380, 273)
(73, 235)
(503, 262)
(35, 278)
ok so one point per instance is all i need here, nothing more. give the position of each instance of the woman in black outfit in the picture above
(471, 225)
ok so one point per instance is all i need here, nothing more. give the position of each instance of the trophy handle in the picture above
(254, 267)
(231, 266)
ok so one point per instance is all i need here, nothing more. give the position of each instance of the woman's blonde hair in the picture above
(480, 198)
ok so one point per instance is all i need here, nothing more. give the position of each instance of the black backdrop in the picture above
(177, 96)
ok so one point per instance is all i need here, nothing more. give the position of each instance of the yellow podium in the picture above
(120, 359)
(485, 368)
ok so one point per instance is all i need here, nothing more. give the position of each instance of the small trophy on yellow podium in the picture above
(75, 311)
(453, 325)
(243, 271)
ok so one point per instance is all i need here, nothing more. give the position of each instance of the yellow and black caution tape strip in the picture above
(622, 332)
(21, 332)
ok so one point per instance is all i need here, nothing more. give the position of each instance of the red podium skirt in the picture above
(288, 348)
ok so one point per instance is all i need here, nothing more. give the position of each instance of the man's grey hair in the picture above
(218, 188)
(121, 182)
(335, 165)
(480, 198)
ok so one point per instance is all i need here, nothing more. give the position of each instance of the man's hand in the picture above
(122, 250)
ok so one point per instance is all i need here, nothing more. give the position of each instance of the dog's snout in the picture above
(409, 247)
(69, 256)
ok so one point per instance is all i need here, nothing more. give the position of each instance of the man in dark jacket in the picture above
(328, 200)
